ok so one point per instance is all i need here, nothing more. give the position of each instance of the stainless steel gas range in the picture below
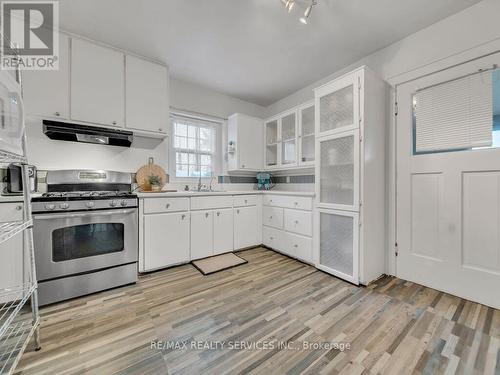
(85, 233)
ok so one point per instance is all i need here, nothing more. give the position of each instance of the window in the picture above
(458, 115)
(194, 144)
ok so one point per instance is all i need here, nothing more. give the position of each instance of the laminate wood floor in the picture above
(392, 327)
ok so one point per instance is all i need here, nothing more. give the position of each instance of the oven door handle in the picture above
(86, 214)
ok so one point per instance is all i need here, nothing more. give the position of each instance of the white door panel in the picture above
(223, 230)
(202, 234)
(448, 206)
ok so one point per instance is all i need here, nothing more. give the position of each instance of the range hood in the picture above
(64, 131)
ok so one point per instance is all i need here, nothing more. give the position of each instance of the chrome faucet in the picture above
(199, 182)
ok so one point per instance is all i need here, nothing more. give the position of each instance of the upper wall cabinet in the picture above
(306, 134)
(46, 92)
(146, 96)
(289, 139)
(97, 84)
(337, 106)
(244, 135)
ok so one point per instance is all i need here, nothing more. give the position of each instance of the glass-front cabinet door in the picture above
(271, 133)
(337, 105)
(338, 171)
(306, 134)
(338, 243)
(288, 139)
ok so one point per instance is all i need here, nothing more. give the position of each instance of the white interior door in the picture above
(448, 203)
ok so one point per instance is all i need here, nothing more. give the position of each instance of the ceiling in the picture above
(252, 49)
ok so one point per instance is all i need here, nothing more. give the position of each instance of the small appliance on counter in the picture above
(14, 180)
(264, 181)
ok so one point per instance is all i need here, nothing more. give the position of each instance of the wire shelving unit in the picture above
(19, 315)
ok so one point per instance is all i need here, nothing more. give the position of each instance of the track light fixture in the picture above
(307, 13)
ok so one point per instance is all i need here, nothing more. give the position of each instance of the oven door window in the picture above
(87, 240)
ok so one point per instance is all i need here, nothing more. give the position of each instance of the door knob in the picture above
(206, 214)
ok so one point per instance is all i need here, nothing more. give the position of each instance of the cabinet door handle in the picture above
(246, 201)
(168, 205)
(114, 122)
(57, 114)
(160, 129)
(270, 217)
(237, 211)
(183, 217)
(19, 208)
(295, 245)
(296, 203)
(218, 213)
(206, 214)
(242, 165)
(271, 238)
(296, 221)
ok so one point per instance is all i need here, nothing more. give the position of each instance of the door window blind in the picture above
(454, 115)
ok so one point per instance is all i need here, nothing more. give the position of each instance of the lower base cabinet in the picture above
(166, 240)
(246, 223)
(202, 234)
(223, 231)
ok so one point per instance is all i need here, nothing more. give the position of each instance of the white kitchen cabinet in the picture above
(338, 171)
(307, 139)
(146, 96)
(46, 92)
(350, 170)
(271, 143)
(244, 143)
(246, 227)
(280, 139)
(288, 225)
(97, 92)
(223, 230)
(202, 234)
(166, 239)
(288, 140)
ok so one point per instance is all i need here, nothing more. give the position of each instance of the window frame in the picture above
(213, 123)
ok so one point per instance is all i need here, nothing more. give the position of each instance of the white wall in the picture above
(194, 98)
(469, 32)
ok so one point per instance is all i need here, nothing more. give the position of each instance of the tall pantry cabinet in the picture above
(350, 229)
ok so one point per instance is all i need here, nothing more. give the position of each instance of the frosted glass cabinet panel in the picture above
(338, 235)
(271, 132)
(307, 134)
(338, 105)
(338, 171)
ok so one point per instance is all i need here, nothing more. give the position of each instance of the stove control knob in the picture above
(64, 206)
(89, 204)
(113, 203)
(50, 206)
(123, 203)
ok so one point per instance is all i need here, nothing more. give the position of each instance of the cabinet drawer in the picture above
(287, 201)
(272, 217)
(159, 205)
(245, 200)
(299, 246)
(11, 211)
(207, 203)
(298, 222)
(273, 238)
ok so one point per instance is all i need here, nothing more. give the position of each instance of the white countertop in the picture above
(214, 193)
